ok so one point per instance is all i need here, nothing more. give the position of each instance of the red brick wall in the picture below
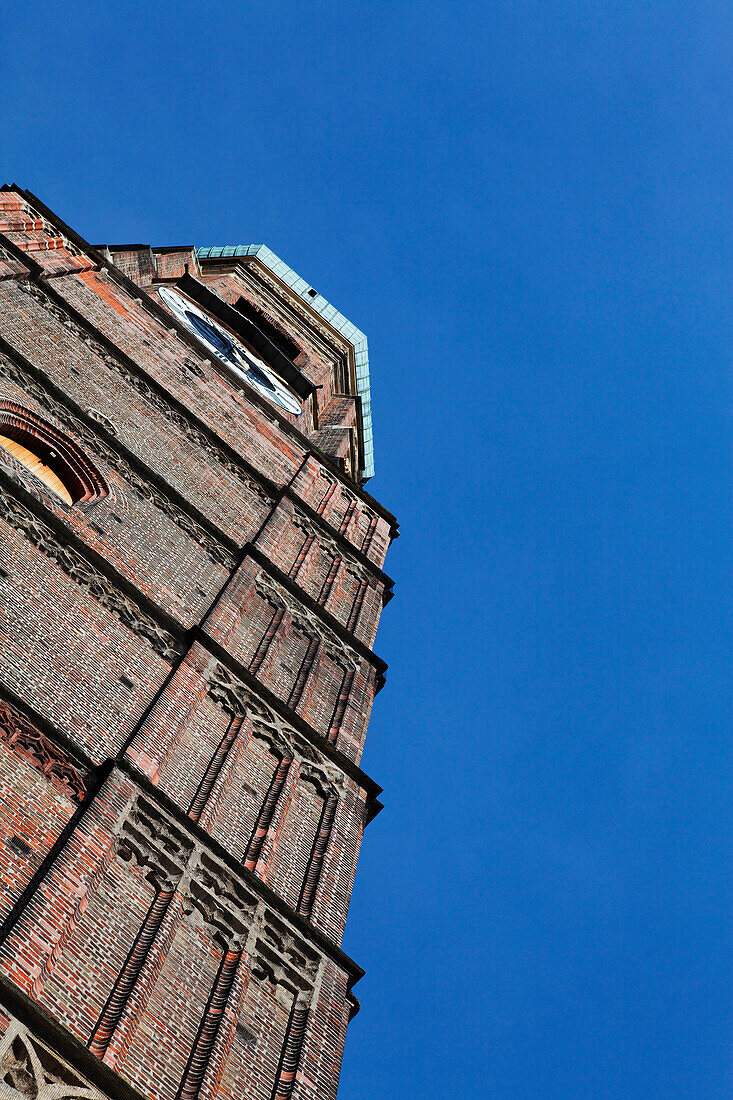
(25, 837)
(207, 626)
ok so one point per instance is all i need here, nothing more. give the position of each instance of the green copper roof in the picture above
(329, 313)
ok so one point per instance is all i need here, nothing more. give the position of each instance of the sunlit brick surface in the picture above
(186, 678)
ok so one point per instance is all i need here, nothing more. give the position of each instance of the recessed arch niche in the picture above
(49, 455)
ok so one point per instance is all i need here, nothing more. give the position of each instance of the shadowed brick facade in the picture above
(191, 579)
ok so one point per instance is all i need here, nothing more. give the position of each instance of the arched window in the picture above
(49, 456)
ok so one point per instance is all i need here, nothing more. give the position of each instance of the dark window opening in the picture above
(282, 342)
(243, 1035)
(194, 368)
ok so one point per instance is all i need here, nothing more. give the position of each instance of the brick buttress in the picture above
(191, 578)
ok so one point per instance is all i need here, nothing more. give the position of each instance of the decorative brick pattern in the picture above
(331, 572)
(26, 837)
(27, 742)
(186, 678)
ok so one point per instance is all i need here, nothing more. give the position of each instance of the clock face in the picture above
(230, 351)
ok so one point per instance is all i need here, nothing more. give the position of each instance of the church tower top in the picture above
(330, 314)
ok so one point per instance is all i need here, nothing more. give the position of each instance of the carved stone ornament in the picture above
(228, 692)
(331, 644)
(224, 905)
(30, 1071)
(280, 746)
(18, 472)
(86, 577)
(102, 420)
(40, 752)
(280, 941)
(155, 843)
(352, 563)
(318, 779)
(119, 363)
(357, 573)
(97, 445)
(300, 523)
(172, 859)
(287, 967)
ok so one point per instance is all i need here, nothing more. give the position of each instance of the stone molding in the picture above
(129, 371)
(10, 369)
(84, 574)
(30, 1071)
(32, 746)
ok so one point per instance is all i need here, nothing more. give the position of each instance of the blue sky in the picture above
(523, 205)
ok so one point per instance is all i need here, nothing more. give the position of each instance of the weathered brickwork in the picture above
(326, 567)
(25, 838)
(190, 586)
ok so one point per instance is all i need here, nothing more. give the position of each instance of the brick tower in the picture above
(190, 583)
